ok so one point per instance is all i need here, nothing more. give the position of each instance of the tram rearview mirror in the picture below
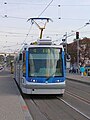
(20, 56)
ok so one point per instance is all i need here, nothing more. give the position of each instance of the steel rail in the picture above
(65, 102)
(78, 97)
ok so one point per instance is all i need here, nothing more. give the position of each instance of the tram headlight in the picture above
(58, 80)
(34, 80)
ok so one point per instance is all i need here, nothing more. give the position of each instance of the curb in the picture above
(24, 108)
(80, 81)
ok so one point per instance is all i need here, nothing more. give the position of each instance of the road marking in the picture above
(74, 108)
(78, 97)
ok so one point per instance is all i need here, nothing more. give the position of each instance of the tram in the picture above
(39, 68)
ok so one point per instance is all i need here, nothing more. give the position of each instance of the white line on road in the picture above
(74, 108)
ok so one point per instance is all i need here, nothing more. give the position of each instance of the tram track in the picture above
(35, 110)
(68, 104)
(74, 108)
(42, 108)
(74, 105)
(78, 91)
(78, 97)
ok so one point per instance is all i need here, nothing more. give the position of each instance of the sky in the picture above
(68, 17)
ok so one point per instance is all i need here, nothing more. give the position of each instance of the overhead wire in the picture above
(29, 3)
(45, 8)
(38, 17)
(39, 14)
(61, 18)
(42, 13)
(72, 33)
(27, 34)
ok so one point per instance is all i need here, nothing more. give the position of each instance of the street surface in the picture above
(12, 105)
(74, 105)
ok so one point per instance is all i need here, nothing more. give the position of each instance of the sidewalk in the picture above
(12, 105)
(78, 78)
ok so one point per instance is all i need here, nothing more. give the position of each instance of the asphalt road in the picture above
(74, 105)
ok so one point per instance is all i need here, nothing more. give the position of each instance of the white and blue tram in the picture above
(40, 68)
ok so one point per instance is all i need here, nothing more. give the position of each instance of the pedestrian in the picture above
(82, 70)
(70, 70)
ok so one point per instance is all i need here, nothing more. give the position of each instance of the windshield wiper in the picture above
(50, 76)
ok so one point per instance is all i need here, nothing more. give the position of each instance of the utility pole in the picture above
(5, 61)
(65, 47)
(65, 42)
(77, 38)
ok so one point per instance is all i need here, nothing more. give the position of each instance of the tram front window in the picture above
(45, 62)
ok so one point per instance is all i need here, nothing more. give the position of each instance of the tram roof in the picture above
(41, 43)
(39, 46)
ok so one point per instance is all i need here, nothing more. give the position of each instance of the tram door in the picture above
(20, 69)
(20, 73)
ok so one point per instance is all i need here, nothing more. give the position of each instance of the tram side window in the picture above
(24, 64)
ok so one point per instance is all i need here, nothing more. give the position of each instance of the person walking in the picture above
(82, 70)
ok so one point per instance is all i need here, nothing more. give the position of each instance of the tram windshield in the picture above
(45, 62)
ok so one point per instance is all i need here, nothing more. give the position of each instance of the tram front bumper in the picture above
(44, 88)
(44, 85)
